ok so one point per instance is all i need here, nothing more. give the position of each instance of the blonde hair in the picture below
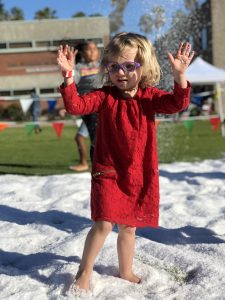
(145, 56)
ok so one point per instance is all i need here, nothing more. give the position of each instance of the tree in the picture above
(159, 13)
(3, 13)
(116, 16)
(45, 13)
(155, 20)
(79, 14)
(95, 15)
(191, 4)
(146, 24)
(16, 14)
(179, 15)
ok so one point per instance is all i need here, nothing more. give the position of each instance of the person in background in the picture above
(35, 110)
(86, 77)
(125, 175)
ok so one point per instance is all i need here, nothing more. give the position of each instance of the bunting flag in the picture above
(30, 128)
(3, 126)
(157, 122)
(58, 126)
(25, 104)
(215, 123)
(51, 106)
(189, 125)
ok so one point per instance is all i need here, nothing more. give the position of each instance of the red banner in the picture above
(58, 126)
(215, 123)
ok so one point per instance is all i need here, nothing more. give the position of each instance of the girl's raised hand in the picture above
(182, 59)
(66, 58)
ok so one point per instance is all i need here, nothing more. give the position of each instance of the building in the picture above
(28, 52)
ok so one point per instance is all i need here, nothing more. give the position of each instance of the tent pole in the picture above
(220, 107)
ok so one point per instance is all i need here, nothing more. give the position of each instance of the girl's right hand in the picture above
(66, 58)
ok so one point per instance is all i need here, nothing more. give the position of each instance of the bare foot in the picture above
(131, 277)
(82, 281)
(79, 168)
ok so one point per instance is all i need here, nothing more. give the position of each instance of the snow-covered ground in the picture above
(44, 222)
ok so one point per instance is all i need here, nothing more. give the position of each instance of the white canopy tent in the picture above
(201, 72)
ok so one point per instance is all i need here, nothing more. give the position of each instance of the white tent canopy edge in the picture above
(201, 72)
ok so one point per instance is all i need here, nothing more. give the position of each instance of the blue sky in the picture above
(66, 8)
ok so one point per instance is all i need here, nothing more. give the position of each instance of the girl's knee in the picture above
(104, 226)
(124, 229)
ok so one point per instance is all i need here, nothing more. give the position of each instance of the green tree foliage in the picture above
(45, 13)
(16, 14)
(79, 14)
(95, 15)
(3, 13)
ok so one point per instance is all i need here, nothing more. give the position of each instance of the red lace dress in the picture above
(125, 176)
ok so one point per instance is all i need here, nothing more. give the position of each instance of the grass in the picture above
(46, 154)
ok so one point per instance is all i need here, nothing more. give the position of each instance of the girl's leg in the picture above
(93, 244)
(125, 248)
(83, 165)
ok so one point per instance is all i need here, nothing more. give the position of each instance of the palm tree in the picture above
(191, 4)
(116, 16)
(146, 24)
(45, 13)
(159, 13)
(155, 20)
(16, 14)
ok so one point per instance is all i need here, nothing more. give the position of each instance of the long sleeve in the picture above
(81, 105)
(169, 103)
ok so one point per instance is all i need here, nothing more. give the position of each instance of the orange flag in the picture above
(157, 122)
(58, 126)
(215, 123)
(3, 126)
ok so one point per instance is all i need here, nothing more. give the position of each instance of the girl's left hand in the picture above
(182, 59)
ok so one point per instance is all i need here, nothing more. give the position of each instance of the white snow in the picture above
(44, 222)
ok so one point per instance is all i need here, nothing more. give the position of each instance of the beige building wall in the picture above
(33, 65)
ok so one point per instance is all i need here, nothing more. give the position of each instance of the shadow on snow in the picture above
(61, 220)
(183, 236)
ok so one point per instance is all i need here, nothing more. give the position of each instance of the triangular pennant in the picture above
(51, 105)
(30, 128)
(189, 125)
(25, 104)
(215, 121)
(58, 126)
(3, 126)
(157, 122)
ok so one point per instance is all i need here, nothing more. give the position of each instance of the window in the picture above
(43, 44)
(3, 46)
(47, 91)
(20, 45)
(4, 93)
(22, 92)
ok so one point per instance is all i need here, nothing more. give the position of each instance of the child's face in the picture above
(91, 53)
(122, 79)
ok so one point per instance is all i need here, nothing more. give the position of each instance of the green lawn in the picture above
(45, 154)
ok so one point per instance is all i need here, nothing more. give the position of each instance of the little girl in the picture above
(125, 176)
